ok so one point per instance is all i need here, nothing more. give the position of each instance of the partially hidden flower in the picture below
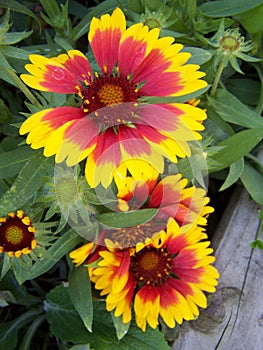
(164, 277)
(169, 195)
(232, 47)
(17, 235)
(111, 121)
(80, 254)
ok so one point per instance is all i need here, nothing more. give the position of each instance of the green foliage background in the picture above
(38, 311)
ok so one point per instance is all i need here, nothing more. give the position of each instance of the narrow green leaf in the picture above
(126, 219)
(14, 52)
(14, 38)
(16, 6)
(253, 180)
(6, 297)
(51, 8)
(24, 187)
(62, 246)
(18, 83)
(11, 162)
(80, 295)
(5, 266)
(174, 99)
(234, 174)
(215, 127)
(63, 43)
(121, 328)
(236, 147)
(225, 8)
(4, 63)
(22, 297)
(232, 110)
(31, 330)
(9, 330)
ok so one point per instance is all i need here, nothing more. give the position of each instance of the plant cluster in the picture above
(104, 166)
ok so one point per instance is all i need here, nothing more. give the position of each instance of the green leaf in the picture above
(9, 330)
(63, 43)
(5, 266)
(215, 127)
(246, 90)
(19, 292)
(31, 331)
(67, 325)
(236, 147)
(62, 315)
(16, 6)
(253, 180)
(252, 20)
(51, 7)
(126, 219)
(6, 297)
(225, 8)
(103, 336)
(174, 99)
(5, 115)
(121, 328)
(4, 63)
(257, 244)
(24, 187)
(14, 52)
(14, 38)
(80, 347)
(11, 162)
(234, 174)
(80, 294)
(232, 110)
(62, 246)
(198, 56)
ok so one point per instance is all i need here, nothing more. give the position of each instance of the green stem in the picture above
(260, 230)
(219, 72)
(259, 107)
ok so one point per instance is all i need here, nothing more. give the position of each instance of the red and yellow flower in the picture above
(111, 121)
(170, 195)
(17, 235)
(166, 276)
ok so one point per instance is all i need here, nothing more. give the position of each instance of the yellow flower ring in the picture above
(111, 123)
(17, 235)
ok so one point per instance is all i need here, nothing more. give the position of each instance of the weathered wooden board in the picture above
(234, 320)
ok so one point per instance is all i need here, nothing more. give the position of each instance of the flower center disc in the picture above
(14, 234)
(229, 43)
(111, 94)
(107, 90)
(151, 265)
